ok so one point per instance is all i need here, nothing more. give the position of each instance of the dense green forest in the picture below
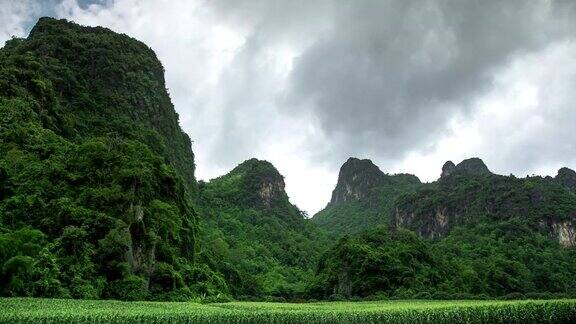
(255, 236)
(363, 198)
(98, 200)
(471, 234)
(96, 177)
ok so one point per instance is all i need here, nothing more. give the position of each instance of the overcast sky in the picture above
(307, 84)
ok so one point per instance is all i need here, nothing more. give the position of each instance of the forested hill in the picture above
(471, 233)
(110, 84)
(254, 236)
(95, 173)
(363, 197)
(469, 194)
(98, 199)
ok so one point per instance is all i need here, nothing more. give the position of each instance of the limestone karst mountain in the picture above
(362, 197)
(97, 176)
(472, 166)
(98, 199)
(266, 247)
(466, 192)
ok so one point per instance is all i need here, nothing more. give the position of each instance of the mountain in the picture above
(363, 197)
(98, 199)
(255, 184)
(471, 166)
(96, 176)
(471, 233)
(98, 74)
(567, 179)
(262, 243)
(469, 194)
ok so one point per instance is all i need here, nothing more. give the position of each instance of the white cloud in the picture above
(224, 86)
(304, 84)
(14, 16)
(523, 125)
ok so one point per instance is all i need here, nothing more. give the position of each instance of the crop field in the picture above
(29, 310)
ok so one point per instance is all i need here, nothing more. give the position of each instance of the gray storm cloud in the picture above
(390, 74)
(306, 84)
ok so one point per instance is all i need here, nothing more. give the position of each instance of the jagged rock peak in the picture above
(114, 71)
(355, 179)
(447, 169)
(566, 178)
(471, 166)
(263, 179)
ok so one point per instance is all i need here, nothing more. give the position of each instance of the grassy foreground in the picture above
(29, 310)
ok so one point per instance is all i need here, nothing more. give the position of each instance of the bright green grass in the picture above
(28, 310)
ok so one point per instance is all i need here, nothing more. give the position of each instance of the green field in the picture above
(28, 310)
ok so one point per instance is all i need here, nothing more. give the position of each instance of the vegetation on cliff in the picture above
(98, 199)
(363, 198)
(254, 236)
(471, 233)
(95, 174)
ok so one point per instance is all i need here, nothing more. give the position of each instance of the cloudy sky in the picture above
(307, 84)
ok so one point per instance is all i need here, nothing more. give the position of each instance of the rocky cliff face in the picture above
(355, 180)
(566, 178)
(265, 180)
(469, 192)
(562, 230)
(433, 224)
(472, 166)
(565, 232)
(122, 85)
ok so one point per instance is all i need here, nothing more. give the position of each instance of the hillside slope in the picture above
(470, 233)
(95, 173)
(258, 239)
(466, 198)
(363, 198)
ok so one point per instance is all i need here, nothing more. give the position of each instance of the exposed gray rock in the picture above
(355, 180)
(447, 169)
(472, 166)
(563, 230)
(432, 225)
(566, 178)
(358, 179)
(271, 190)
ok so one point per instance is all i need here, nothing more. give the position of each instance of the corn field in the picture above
(29, 310)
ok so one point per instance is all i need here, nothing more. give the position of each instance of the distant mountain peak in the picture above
(260, 184)
(355, 179)
(358, 177)
(471, 166)
(566, 178)
(448, 168)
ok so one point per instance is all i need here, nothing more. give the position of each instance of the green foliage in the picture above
(469, 199)
(375, 209)
(96, 176)
(479, 260)
(254, 236)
